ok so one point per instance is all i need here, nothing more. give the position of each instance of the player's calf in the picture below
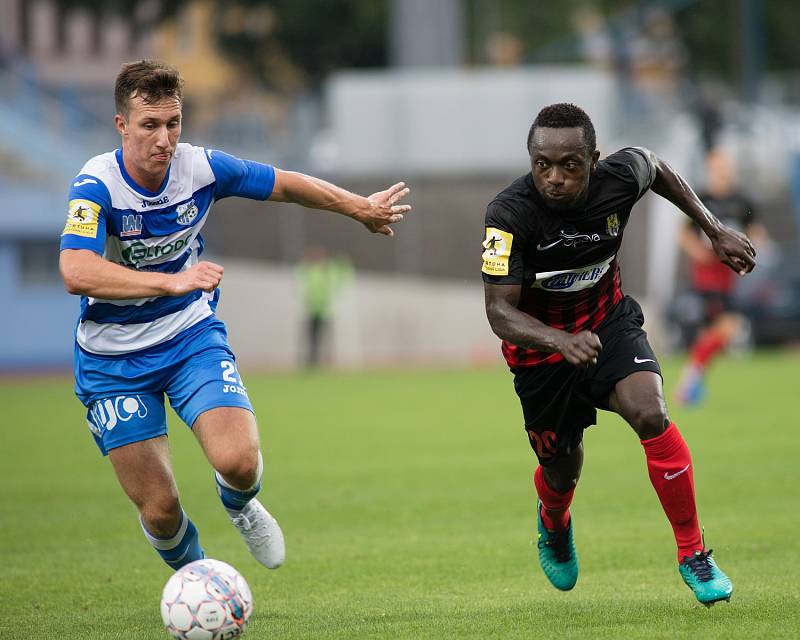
(161, 514)
(180, 548)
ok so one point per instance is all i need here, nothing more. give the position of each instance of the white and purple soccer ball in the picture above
(206, 600)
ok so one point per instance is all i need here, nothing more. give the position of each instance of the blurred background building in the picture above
(439, 93)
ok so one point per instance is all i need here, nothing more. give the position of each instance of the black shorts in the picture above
(714, 304)
(560, 400)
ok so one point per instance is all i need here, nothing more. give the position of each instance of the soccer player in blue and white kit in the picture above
(131, 249)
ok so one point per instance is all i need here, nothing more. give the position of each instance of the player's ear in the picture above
(121, 124)
(595, 159)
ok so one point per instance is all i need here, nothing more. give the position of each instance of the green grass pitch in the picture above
(406, 499)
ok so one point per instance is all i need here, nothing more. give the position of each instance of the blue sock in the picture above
(182, 548)
(233, 499)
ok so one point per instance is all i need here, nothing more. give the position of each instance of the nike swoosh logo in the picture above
(639, 360)
(670, 476)
(539, 246)
(83, 182)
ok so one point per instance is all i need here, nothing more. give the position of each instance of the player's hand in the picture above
(581, 349)
(734, 249)
(204, 275)
(384, 210)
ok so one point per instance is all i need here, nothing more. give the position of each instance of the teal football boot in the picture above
(702, 575)
(557, 554)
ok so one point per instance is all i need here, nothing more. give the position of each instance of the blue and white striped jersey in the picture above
(151, 231)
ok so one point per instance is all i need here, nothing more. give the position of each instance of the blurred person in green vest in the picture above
(320, 278)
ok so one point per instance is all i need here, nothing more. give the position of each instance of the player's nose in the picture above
(162, 138)
(555, 177)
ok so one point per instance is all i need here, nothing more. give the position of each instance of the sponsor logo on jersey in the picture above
(187, 212)
(138, 251)
(496, 251)
(80, 183)
(154, 203)
(612, 225)
(568, 240)
(108, 413)
(566, 280)
(572, 279)
(131, 225)
(82, 219)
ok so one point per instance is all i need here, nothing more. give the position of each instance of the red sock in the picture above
(670, 467)
(555, 506)
(706, 347)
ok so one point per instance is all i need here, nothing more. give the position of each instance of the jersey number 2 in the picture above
(229, 372)
(544, 444)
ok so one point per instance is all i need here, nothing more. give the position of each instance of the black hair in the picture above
(562, 115)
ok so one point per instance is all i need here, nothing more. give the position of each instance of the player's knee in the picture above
(649, 421)
(239, 470)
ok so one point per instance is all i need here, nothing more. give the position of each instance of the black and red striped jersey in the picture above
(565, 261)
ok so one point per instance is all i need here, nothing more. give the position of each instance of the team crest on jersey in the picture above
(187, 212)
(131, 225)
(496, 251)
(612, 225)
(82, 219)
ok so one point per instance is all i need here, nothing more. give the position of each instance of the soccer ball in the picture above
(206, 600)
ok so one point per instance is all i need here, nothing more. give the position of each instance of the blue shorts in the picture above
(125, 395)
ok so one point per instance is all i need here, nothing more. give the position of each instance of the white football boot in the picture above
(261, 533)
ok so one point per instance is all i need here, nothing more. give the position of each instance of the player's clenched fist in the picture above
(734, 249)
(581, 349)
(204, 275)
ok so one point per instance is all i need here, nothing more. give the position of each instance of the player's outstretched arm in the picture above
(88, 274)
(523, 330)
(376, 212)
(733, 248)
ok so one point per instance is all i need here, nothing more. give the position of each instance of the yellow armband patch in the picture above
(496, 251)
(82, 219)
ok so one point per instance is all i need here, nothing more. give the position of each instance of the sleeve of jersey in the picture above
(502, 253)
(638, 166)
(237, 177)
(89, 203)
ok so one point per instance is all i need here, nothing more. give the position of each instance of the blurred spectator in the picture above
(718, 322)
(709, 117)
(504, 49)
(644, 52)
(596, 45)
(658, 56)
(320, 279)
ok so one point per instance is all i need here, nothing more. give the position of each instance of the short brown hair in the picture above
(152, 80)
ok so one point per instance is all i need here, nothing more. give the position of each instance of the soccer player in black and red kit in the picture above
(711, 281)
(574, 341)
